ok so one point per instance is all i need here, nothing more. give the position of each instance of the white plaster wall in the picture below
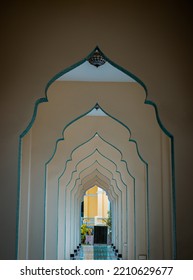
(44, 139)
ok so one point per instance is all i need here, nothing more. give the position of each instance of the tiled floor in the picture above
(96, 252)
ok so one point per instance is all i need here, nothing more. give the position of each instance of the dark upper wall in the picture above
(152, 40)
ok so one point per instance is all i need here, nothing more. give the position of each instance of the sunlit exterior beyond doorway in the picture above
(95, 212)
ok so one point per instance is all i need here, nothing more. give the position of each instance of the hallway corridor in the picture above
(96, 252)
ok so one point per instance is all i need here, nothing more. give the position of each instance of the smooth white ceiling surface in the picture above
(89, 73)
(98, 113)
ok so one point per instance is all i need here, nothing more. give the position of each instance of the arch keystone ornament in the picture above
(97, 58)
(57, 166)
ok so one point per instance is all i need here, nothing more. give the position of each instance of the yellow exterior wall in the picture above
(105, 205)
(91, 203)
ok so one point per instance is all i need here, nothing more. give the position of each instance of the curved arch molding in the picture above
(146, 126)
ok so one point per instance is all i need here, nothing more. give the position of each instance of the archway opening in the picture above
(124, 98)
(97, 213)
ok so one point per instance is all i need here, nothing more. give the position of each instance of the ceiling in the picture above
(89, 73)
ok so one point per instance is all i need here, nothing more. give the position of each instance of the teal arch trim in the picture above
(61, 73)
(98, 179)
(135, 78)
(71, 158)
(116, 169)
(37, 103)
(165, 131)
(61, 139)
(146, 164)
(148, 102)
(94, 152)
(147, 195)
(45, 99)
(77, 179)
(65, 199)
(45, 190)
(90, 183)
(127, 228)
(107, 159)
(89, 140)
(88, 156)
(132, 140)
(71, 154)
(139, 81)
(112, 179)
(122, 160)
(63, 131)
(96, 162)
(147, 198)
(95, 181)
(81, 116)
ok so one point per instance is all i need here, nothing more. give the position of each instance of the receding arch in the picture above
(87, 142)
(78, 178)
(29, 246)
(116, 189)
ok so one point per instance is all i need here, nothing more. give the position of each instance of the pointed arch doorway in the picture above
(96, 217)
(124, 97)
